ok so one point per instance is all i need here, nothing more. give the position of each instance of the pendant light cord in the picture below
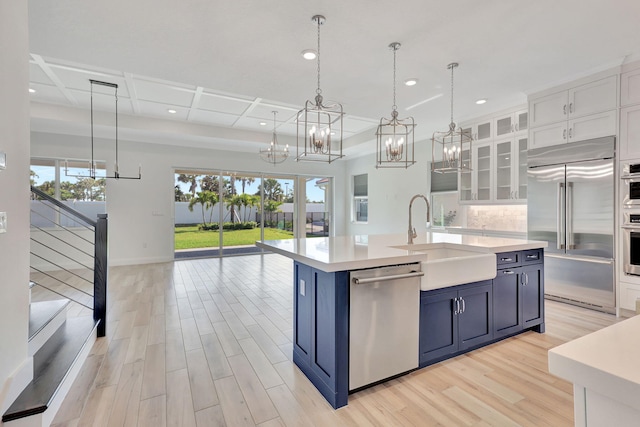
(452, 67)
(395, 48)
(319, 22)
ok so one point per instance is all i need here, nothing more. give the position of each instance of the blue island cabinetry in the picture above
(453, 320)
(321, 330)
(461, 318)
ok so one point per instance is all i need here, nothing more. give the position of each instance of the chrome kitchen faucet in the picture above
(412, 231)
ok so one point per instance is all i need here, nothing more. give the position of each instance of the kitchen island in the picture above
(475, 290)
(603, 367)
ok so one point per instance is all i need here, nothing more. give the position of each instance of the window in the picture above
(360, 198)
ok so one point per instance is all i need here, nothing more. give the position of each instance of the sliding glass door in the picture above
(225, 213)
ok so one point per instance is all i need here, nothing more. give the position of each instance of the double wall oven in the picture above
(630, 177)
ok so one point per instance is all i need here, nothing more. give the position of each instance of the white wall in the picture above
(141, 213)
(15, 366)
(390, 191)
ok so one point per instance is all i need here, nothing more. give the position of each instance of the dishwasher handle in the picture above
(362, 281)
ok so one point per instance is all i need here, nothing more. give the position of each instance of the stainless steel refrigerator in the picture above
(571, 205)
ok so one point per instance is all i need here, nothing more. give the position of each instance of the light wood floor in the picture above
(208, 343)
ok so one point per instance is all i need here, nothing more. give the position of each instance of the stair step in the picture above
(42, 312)
(51, 365)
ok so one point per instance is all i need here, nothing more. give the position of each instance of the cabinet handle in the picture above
(508, 272)
(571, 108)
(570, 132)
(532, 256)
(517, 127)
(516, 194)
(464, 306)
(513, 128)
(564, 109)
(506, 259)
(526, 279)
(456, 310)
(564, 134)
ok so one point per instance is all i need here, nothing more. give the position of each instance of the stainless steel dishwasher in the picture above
(384, 320)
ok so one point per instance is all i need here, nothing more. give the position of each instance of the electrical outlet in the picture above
(302, 287)
(3, 222)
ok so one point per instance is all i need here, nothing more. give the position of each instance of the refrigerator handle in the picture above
(569, 216)
(560, 216)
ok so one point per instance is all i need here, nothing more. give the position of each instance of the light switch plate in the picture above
(3, 160)
(3, 222)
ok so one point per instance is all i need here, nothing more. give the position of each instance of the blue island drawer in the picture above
(508, 259)
(532, 256)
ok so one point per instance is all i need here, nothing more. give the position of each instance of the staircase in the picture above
(67, 311)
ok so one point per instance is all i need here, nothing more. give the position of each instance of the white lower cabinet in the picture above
(629, 293)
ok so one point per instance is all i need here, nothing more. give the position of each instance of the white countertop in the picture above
(345, 253)
(606, 361)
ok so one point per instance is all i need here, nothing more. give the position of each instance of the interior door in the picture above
(590, 205)
(546, 207)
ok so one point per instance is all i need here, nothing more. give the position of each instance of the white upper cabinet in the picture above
(578, 113)
(549, 109)
(630, 88)
(595, 97)
(630, 132)
(510, 170)
(511, 123)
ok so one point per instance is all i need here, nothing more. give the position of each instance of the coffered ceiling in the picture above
(224, 66)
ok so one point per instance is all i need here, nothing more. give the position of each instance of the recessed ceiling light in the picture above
(32, 90)
(263, 123)
(481, 101)
(411, 82)
(309, 54)
(171, 111)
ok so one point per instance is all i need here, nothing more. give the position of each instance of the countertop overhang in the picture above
(605, 361)
(345, 253)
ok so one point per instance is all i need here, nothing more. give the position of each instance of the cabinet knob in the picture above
(570, 132)
(564, 109)
(571, 108)
(564, 134)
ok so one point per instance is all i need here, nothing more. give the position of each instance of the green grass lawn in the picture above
(191, 237)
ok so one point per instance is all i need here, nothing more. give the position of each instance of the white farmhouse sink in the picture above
(446, 266)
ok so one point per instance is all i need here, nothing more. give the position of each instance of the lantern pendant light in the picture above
(274, 154)
(452, 147)
(319, 125)
(394, 136)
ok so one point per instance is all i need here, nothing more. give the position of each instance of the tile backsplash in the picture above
(503, 218)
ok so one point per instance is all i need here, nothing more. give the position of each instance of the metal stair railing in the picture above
(69, 254)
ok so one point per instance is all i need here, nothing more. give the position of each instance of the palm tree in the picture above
(246, 180)
(189, 179)
(233, 202)
(245, 200)
(272, 189)
(207, 200)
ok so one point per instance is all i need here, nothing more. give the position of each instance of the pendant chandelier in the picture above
(395, 148)
(274, 154)
(92, 163)
(452, 146)
(319, 126)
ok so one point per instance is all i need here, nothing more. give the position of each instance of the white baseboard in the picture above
(136, 261)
